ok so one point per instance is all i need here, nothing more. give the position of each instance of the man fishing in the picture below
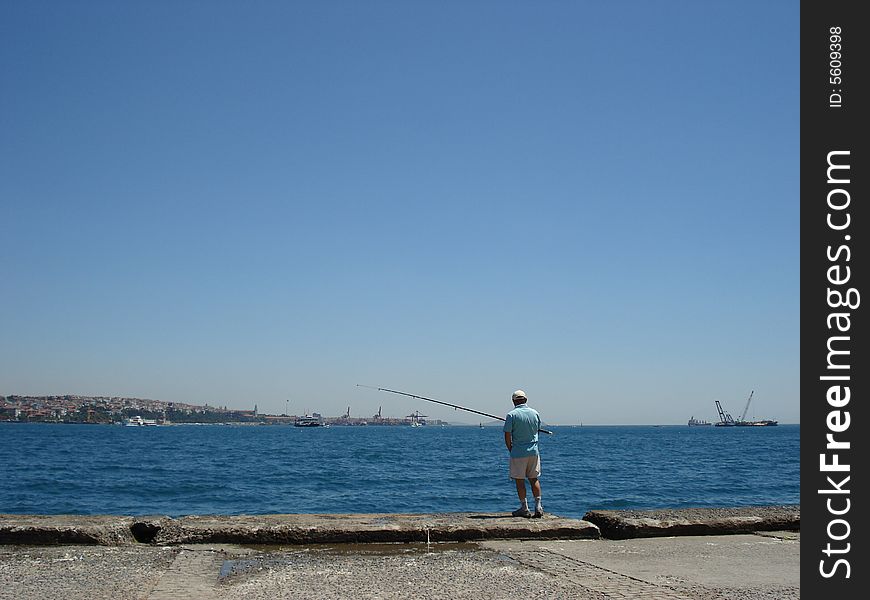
(521, 429)
(521, 438)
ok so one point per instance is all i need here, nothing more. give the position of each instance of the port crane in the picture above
(742, 418)
(725, 419)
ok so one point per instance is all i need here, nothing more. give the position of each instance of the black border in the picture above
(824, 129)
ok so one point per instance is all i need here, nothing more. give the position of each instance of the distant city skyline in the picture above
(236, 205)
(76, 409)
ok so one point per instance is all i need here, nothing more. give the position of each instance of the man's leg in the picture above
(536, 492)
(523, 510)
(521, 490)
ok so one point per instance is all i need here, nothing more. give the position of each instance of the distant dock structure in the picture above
(726, 420)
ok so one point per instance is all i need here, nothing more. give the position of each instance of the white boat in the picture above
(308, 421)
(138, 421)
(416, 419)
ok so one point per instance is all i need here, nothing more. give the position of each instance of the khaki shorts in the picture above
(525, 467)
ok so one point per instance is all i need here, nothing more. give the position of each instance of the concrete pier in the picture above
(382, 528)
(286, 529)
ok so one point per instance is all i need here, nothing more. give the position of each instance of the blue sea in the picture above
(224, 469)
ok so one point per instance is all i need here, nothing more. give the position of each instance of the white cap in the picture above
(518, 394)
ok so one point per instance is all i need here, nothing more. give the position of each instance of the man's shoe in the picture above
(539, 513)
(522, 512)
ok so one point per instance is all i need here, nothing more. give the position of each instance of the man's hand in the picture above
(507, 440)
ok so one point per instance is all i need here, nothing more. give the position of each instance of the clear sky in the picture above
(249, 203)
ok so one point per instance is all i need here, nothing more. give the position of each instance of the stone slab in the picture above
(384, 528)
(48, 530)
(285, 529)
(367, 528)
(628, 524)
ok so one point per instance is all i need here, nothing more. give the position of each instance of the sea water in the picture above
(225, 469)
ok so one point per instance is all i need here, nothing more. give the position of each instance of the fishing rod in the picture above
(455, 406)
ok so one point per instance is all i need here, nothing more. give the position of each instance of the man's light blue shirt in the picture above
(523, 424)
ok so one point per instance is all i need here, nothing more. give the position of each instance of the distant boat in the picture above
(416, 419)
(138, 421)
(693, 422)
(308, 421)
(761, 423)
(726, 420)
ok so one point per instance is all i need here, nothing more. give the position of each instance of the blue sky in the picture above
(249, 204)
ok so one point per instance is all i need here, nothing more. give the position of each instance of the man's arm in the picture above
(507, 440)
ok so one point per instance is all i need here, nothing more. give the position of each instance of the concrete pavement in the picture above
(469, 555)
(735, 567)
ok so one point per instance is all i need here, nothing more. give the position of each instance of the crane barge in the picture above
(726, 420)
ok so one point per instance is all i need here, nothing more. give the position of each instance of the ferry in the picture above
(308, 421)
(138, 421)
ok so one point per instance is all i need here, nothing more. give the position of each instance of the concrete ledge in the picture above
(286, 529)
(110, 530)
(627, 524)
(49, 530)
(367, 528)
